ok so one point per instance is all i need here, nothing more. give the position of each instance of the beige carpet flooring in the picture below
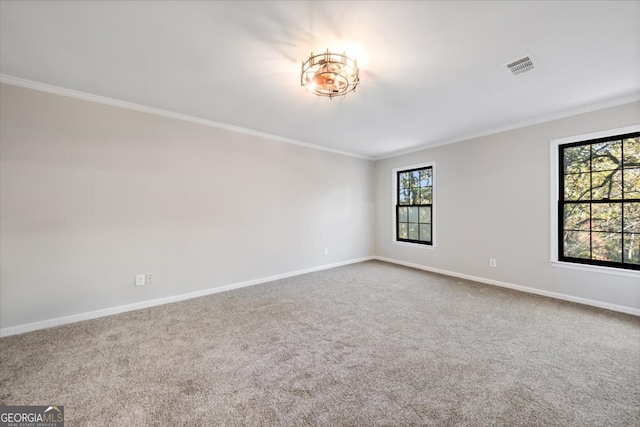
(369, 344)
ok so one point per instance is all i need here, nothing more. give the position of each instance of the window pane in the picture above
(607, 185)
(404, 197)
(606, 155)
(577, 244)
(577, 216)
(632, 150)
(632, 217)
(402, 193)
(426, 178)
(414, 197)
(577, 159)
(606, 217)
(426, 195)
(577, 186)
(425, 214)
(425, 232)
(607, 246)
(632, 183)
(413, 214)
(632, 248)
(414, 179)
(402, 230)
(404, 188)
(413, 231)
(402, 214)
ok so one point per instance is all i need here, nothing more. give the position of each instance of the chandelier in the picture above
(330, 74)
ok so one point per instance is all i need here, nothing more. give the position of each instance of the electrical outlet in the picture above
(149, 279)
(325, 251)
(140, 280)
(492, 262)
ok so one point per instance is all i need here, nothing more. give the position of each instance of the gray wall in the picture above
(493, 202)
(92, 195)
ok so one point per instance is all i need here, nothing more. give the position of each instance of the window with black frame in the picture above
(599, 202)
(414, 206)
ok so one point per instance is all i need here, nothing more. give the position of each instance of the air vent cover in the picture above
(521, 65)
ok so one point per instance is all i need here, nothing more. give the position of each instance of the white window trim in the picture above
(553, 205)
(394, 198)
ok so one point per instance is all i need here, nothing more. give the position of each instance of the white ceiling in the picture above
(431, 72)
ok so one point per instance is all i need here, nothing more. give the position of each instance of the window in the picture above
(598, 212)
(414, 192)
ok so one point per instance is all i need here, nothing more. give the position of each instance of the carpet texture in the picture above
(369, 344)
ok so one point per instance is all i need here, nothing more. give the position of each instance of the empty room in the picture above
(319, 213)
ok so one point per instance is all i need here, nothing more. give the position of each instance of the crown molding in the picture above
(601, 105)
(29, 84)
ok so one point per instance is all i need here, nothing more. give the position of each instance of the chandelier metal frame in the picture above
(330, 74)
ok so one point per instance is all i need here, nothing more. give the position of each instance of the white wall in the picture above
(493, 201)
(91, 195)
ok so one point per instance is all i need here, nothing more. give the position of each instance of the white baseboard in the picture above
(34, 326)
(556, 295)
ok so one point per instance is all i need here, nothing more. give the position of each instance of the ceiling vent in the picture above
(521, 65)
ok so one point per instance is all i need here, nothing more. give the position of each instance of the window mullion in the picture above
(591, 202)
(622, 202)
